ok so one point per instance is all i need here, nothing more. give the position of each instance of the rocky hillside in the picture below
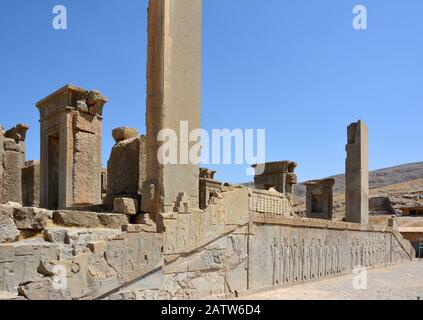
(377, 178)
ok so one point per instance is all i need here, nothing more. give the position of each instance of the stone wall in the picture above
(244, 240)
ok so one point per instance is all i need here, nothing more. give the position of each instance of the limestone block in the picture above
(55, 235)
(126, 168)
(8, 230)
(42, 289)
(137, 228)
(124, 133)
(70, 218)
(113, 221)
(98, 247)
(29, 218)
(126, 206)
(85, 236)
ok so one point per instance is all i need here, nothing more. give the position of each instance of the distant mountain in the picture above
(377, 178)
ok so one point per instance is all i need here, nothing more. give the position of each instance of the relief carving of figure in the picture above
(285, 262)
(276, 256)
(312, 259)
(338, 257)
(295, 261)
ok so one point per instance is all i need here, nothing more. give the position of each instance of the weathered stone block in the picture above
(124, 133)
(98, 247)
(83, 237)
(71, 218)
(55, 235)
(137, 228)
(126, 169)
(30, 218)
(126, 206)
(113, 221)
(42, 289)
(8, 230)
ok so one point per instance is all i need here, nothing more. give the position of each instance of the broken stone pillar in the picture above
(278, 175)
(70, 157)
(319, 199)
(173, 96)
(12, 161)
(126, 168)
(208, 187)
(31, 184)
(357, 174)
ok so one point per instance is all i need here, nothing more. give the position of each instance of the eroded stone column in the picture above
(357, 174)
(173, 96)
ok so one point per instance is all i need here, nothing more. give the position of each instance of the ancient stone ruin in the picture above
(357, 174)
(319, 199)
(147, 230)
(71, 122)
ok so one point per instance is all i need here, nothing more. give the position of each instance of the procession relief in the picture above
(301, 260)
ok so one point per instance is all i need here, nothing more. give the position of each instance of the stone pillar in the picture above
(31, 184)
(278, 175)
(173, 96)
(12, 161)
(357, 174)
(70, 157)
(319, 199)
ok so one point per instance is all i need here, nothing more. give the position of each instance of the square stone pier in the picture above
(357, 174)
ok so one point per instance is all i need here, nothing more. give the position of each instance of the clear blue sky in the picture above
(295, 68)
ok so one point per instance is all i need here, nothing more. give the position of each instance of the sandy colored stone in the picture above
(357, 174)
(124, 133)
(42, 289)
(126, 206)
(113, 221)
(30, 218)
(98, 247)
(73, 218)
(173, 97)
(8, 230)
(70, 164)
(319, 199)
(55, 235)
(126, 168)
(31, 184)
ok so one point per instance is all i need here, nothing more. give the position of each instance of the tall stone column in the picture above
(173, 97)
(357, 174)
